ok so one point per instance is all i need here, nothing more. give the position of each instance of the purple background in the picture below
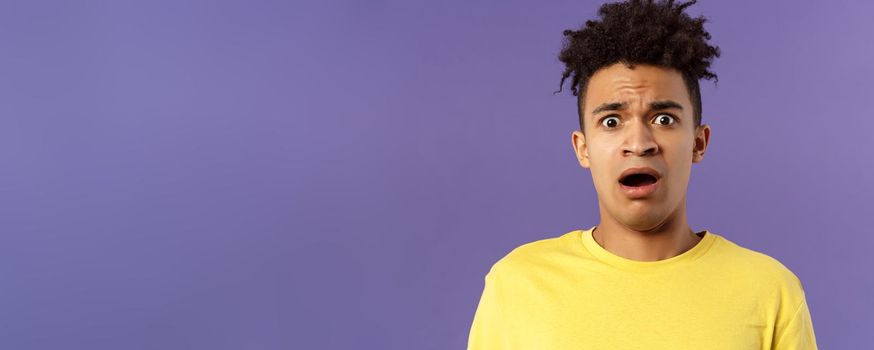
(339, 175)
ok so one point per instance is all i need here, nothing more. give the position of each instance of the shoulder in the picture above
(535, 254)
(763, 270)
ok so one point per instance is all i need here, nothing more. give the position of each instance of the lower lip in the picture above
(635, 192)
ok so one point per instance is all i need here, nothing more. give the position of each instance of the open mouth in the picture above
(637, 180)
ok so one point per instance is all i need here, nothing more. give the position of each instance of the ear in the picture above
(702, 139)
(581, 148)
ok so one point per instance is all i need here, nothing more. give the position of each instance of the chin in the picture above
(644, 220)
(643, 226)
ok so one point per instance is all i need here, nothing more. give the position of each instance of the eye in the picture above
(605, 122)
(665, 118)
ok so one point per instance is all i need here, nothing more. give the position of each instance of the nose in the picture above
(639, 140)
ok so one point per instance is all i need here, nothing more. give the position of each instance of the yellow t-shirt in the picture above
(568, 292)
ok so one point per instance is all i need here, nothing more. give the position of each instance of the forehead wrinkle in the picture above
(634, 103)
(628, 91)
(637, 89)
(633, 91)
(633, 100)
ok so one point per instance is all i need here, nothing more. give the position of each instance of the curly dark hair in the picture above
(639, 32)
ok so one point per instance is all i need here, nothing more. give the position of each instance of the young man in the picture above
(641, 278)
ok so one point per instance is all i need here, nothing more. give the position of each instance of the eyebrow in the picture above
(655, 105)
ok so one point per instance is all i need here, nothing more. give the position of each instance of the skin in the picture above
(655, 227)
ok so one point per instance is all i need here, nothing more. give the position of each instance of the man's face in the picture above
(639, 117)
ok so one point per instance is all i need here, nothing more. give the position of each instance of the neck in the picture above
(666, 240)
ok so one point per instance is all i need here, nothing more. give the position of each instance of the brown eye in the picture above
(665, 118)
(606, 122)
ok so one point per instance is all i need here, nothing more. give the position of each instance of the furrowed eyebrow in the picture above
(666, 104)
(615, 106)
(655, 105)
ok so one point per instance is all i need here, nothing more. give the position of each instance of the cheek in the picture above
(603, 164)
(602, 180)
(602, 176)
(602, 152)
(680, 152)
(680, 164)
